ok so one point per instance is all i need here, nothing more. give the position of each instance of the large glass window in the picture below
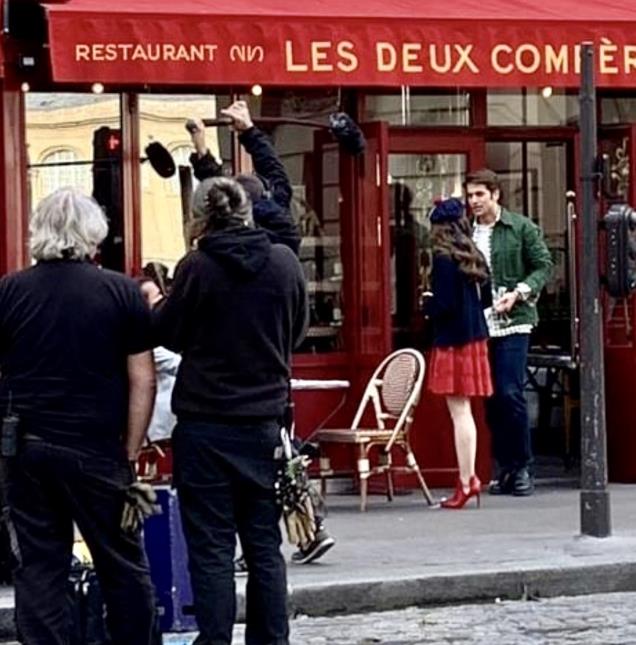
(75, 140)
(408, 107)
(415, 182)
(618, 110)
(165, 202)
(545, 107)
(61, 168)
(312, 161)
(534, 183)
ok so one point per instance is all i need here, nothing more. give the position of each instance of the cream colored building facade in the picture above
(60, 129)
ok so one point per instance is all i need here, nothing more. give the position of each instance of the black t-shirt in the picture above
(66, 330)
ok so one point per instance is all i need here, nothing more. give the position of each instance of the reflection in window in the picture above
(311, 159)
(415, 182)
(410, 108)
(78, 128)
(165, 202)
(57, 169)
(60, 128)
(532, 107)
(618, 110)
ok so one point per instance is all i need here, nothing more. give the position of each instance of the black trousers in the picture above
(49, 487)
(224, 474)
(507, 410)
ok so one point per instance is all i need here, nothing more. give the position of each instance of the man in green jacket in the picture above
(520, 264)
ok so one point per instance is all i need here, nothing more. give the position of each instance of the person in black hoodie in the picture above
(237, 308)
(270, 192)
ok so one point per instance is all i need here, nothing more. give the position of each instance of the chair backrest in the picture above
(393, 391)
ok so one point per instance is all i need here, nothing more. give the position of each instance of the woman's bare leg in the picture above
(465, 436)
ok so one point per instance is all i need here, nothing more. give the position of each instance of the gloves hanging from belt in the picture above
(140, 503)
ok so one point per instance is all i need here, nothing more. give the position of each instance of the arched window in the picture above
(57, 174)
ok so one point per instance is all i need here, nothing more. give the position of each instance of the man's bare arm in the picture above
(141, 399)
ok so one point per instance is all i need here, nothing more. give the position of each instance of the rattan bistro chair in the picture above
(393, 393)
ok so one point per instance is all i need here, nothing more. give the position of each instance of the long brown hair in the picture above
(453, 239)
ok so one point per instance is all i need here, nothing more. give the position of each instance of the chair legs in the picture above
(364, 486)
(389, 478)
(364, 472)
(413, 465)
(389, 485)
(325, 471)
(363, 477)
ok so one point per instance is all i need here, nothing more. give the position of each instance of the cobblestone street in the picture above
(603, 619)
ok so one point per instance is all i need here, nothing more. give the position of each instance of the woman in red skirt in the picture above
(459, 367)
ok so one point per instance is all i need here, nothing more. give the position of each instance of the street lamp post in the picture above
(594, 499)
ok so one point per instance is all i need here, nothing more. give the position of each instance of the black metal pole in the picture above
(595, 502)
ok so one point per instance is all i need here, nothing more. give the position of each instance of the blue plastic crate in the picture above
(168, 559)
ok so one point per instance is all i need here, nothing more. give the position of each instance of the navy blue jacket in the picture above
(457, 306)
(271, 213)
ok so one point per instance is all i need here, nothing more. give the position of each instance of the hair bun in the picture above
(221, 202)
(218, 202)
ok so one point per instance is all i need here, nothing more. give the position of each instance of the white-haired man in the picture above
(77, 373)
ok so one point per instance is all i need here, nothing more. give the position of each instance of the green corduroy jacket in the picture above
(518, 253)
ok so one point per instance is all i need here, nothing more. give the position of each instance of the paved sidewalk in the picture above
(404, 553)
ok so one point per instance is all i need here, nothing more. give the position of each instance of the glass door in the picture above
(371, 232)
(617, 144)
(421, 169)
(535, 177)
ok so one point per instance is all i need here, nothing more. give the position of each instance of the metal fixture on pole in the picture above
(594, 497)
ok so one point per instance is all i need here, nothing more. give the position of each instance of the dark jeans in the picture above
(507, 410)
(49, 487)
(225, 474)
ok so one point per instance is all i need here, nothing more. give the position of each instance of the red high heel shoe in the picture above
(459, 498)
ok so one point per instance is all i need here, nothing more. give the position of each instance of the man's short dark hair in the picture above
(485, 177)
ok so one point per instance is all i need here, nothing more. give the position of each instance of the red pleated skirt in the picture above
(460, 371)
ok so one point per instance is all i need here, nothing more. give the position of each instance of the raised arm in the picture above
(259, 147)
(204, 165)
(273, 213)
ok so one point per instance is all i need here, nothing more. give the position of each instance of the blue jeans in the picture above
(507, 410)
(49, 487)
(225, 474)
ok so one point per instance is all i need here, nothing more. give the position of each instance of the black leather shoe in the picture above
(502, 485)
(523, 483)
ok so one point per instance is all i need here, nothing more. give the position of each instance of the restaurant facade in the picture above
(438, 90)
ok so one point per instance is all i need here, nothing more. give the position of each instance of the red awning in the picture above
(495, 43)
